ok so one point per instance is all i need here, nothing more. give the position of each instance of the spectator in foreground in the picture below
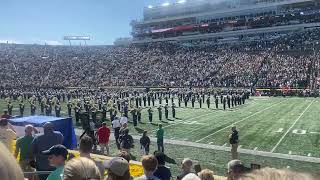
(162, 172)
(125, 155)
(191, 176)
(23, 146)
(42, 142)
(103, 137)
(235, 169)
(145, 143)
(81, 168)
(274, 174)
(57, 156)
(7, 134)
(206, 174)
(186, 167)
(9, 168)
(149, 164)
(85, 149)
(118, 169)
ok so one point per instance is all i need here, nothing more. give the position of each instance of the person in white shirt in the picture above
(123, 120)
(116, 129)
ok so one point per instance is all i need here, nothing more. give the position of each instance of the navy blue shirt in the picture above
(163, 173)
(43, 142)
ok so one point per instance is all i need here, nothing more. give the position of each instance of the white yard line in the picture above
(239, 121)
(295, 122)
(186, 120)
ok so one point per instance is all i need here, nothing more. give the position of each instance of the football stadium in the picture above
(202, 89)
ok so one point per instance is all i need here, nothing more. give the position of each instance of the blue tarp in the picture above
(62, 124)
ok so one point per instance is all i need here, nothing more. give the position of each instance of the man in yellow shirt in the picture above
(7, 134)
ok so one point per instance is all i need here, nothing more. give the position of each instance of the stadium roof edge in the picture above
(256, 6)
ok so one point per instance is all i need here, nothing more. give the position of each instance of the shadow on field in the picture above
(154, 124)
(139, 130)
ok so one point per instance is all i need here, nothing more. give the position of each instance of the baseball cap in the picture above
(118, 165)
(57, 150)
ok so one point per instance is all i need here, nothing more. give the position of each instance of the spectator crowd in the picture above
(283, 60)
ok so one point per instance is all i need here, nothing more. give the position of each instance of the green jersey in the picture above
(24, 145)
(56, 174)
(160, 133)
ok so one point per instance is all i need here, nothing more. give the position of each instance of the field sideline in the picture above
(277, 125)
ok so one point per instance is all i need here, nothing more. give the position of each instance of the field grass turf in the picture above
(272, 124)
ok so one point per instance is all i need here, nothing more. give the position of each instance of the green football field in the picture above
(274, 131)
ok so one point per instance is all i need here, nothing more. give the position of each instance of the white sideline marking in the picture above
(314, 132)
(255, 148)
(185, 139)
(226, 149)
(224, 144)
(309, 155)
(290, 152)
(239, 121)
(281, 139)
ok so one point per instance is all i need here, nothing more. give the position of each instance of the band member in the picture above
(208, 102)
(160, 113)
(166, 111)
(139, 114)
(32, 108)
(150, 114)
(228, 101)
(10, 107)
(216, 102)
(57, 109)
(21, 107)
(69, 106)
(173, 110)
(134, 117)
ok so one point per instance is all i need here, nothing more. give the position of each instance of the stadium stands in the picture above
(274, 61)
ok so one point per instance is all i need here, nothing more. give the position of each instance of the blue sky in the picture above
(40, 21)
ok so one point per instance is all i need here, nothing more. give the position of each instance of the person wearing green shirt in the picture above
(160, 133)
(23, 146)
(57, 157)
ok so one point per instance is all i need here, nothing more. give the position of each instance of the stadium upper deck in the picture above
(204, 17)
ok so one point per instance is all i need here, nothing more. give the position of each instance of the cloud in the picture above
(50, 42)
(10, 41)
